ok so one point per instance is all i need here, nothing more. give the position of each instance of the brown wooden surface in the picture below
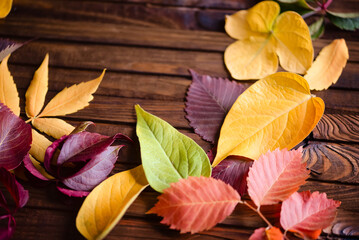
(147, 48)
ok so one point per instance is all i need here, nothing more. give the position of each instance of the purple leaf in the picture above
(50, 153)
(73, 193)
(207, 103)
(7, 46)
(7, 232)
(16, 190)
(234, 171)
(15, 138)
(95, 171)
(31, 168)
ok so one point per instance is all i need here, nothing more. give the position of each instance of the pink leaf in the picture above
(196, 204)
(15, 138)
(207, 103)
(308, 213)
(234, 171)
(272, 233)
(276, 175)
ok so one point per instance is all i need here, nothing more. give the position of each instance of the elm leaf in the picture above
(107, 203)
(207, 103)
(167, 155)
(15, 138)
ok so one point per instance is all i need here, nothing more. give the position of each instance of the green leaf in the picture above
(299, 6)
(317, 28)
(168, 155)
(346, 21)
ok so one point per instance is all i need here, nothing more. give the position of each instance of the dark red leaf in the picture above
(234, 171)
(7, 232)
(72, 193)
(7, 46)
(207, 103)
(15, 138)
(31, 168)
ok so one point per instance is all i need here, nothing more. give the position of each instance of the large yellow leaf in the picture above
(276, 112)
(293, 43)
(262, 35)
(328, 66)
(8, 92)
(53, 126)
(107, 203)
(245, 59)
(72, 99)
(39, 145)
(36, 93)
(5, 7)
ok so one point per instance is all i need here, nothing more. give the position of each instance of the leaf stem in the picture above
(304, 16)
(28, 120)
(257, 210)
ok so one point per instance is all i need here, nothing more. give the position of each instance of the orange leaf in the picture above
(276, 175)
(308, 213)
(196, 204)
(272, 233)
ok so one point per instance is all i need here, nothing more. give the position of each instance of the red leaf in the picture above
(234, 171)
(207, 103)
(196, 204)
(276, 175)
(15, 138)
(308, 213)
(272, 233)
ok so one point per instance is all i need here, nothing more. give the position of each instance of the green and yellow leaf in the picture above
(8, 92)
(53, 126)
(107, 203)
(276, 112)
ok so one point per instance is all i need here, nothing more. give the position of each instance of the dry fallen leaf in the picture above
(8, 92)
(72, 99)
(54, 127)
(107, 203)
(276, 112)
(36, 93)
(262, 35)
(328, 66)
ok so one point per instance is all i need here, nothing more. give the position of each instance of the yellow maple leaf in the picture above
(262, 35)
(36, 93)
(328, 66)
(8, 92)
(276, 112)
(5, 7)
(108, 202)
(72, 99)
(53, 126)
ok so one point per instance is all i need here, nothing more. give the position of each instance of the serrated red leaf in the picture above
(308, 213)
(276, 175)
(207, 103)
(234, 171)
(15, 138)
(196, 204)
(272, 233)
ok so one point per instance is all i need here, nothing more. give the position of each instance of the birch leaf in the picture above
(328, 66)
(36, 93)
(72, 99)
(39, 145)
(196, 204)
(8, 92)
(262, 35)
(275, 176)
(107, 203)
(168, 155)
(276, 112)
(5, 7)
(54, 127)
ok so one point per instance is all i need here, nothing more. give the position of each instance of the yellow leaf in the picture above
(294, 44)
(328, 66)
(256, 63)
(72, 99)
(41, 169)
(36, 93)
(39, 145)
(53, 126)
(262, 16)
(107, 203)
(262, 35)
(5, 7)
(8, 92)
(276, 112)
